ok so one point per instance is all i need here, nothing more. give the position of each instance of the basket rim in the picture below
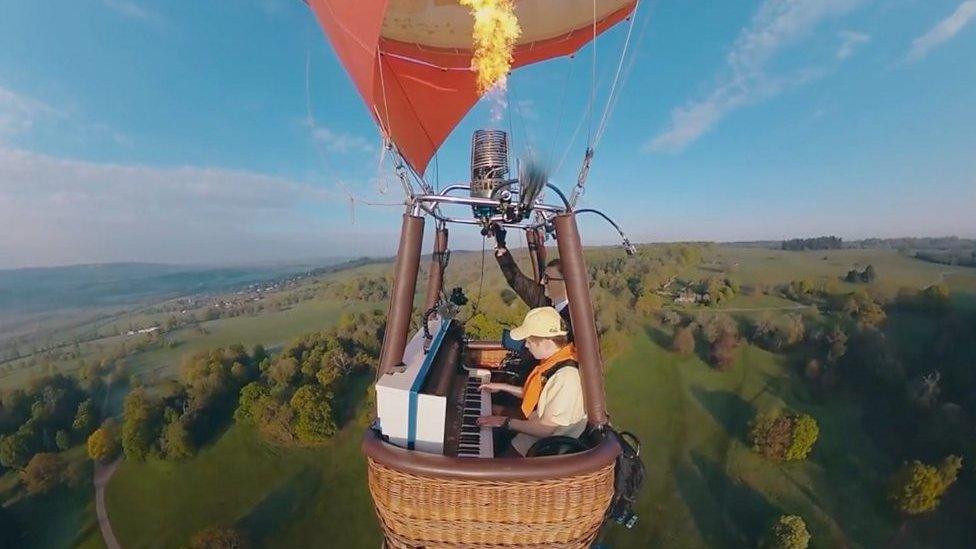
(499, 469)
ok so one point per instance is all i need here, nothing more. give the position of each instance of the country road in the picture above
(103, 474)
(749, 309)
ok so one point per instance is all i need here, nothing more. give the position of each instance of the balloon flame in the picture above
(495, 31)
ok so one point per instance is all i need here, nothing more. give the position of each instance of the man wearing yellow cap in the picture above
(552, 397)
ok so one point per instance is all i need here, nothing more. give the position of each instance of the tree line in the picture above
(818, 243)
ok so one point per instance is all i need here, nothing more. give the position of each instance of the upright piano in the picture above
(433, 402)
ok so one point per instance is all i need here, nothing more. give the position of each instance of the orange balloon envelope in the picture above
(411, 59)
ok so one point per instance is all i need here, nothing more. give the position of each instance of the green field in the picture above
(282, 497)
(757, 265)
(705, 487)
(270, 329)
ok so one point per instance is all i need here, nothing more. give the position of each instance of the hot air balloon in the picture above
(431, 480)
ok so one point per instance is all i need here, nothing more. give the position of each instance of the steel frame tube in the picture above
(585, 336)
(401, 296)
(532, 242)
(435, 279)
(474, 201)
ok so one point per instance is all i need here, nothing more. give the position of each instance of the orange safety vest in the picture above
(532, 389)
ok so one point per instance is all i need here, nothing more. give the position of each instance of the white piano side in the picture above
(393, 401)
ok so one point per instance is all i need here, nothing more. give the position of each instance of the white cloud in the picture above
(942, 32)
(20, 113)
(57, 211)
(338, 142)
(131, 9)
(776, 25)
(849, 41)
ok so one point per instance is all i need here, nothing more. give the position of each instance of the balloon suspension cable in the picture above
(627, 245)
(612, 98)
(584, 173)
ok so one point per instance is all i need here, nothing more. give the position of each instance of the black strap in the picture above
(570, 363)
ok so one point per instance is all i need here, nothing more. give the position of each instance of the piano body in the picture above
(432, 403)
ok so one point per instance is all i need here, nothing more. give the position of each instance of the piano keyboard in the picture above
(474, 441)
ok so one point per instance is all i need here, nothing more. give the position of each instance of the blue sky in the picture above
(189, 131)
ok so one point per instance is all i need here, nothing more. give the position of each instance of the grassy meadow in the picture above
(704, 487)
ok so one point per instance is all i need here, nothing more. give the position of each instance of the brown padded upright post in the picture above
(401, 298)
(581, 312)
(435, 280)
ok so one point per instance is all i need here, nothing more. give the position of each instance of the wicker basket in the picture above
(420, 511)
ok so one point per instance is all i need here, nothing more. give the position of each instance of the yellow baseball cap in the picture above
(539, 322)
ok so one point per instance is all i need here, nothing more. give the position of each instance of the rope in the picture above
(562, 109)
(611, 98)
(384, 124)
(589, 128)
(569, 145)
(481, 285)
(420, 178)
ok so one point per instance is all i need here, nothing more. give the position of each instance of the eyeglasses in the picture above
(546, 278)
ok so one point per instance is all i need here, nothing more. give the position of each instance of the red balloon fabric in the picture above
(418, 92)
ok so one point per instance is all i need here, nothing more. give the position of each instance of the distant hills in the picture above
(34, 290)
(949, 250)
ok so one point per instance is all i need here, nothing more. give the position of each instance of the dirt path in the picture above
(752, 309)
(103, 474)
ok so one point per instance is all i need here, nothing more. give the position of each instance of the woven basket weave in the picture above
(417, 511)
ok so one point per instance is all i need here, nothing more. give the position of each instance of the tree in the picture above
(868, 275)
(139, 429)
(770, 434)
(936, 298)
(103, 445)
(670, 317)
(870, 354)
(835, 342)
(804, 436)
(722, 353)
(284, 370)
(275, 420)
(863, 308)
(917, 487)
(176, 442)
(649, 303)
(783, 435)
(258, 353)
(86, 418)
(62, 440)
(220, 537)
(15, 450)
(44, 472)
(251, 394)
(788, 532)
(793, 330)
(684, 341)
(240, 372)
(313, 414)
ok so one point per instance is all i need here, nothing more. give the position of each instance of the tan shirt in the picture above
(560, 403)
